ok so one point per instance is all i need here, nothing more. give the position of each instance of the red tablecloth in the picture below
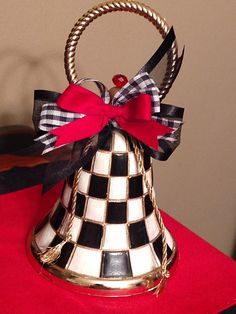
(204, 280)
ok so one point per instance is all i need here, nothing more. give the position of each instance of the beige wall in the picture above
(197, 185)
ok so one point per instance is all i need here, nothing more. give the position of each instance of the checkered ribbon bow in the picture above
(66, 122)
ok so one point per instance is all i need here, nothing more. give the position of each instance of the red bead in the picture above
(119, 80)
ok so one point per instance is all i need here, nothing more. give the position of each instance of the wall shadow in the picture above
(233, 255)
(20, 74)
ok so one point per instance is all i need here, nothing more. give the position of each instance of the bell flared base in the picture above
(116, 242)
(104, 287)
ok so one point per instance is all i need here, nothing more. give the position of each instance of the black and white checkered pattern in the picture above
(139, 84)
(114, 224)
(52, 115)
(174, 124)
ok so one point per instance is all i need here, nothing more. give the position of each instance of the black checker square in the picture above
(57, 216)
(119, 164)
(138, 234)
(157, 245)
(98, 186)
(115, 265)
(56, 240)
(65, 254)
(136, 186)
(88, 165)
(146, 161)
(80, 205)
(107, 144)
(70, 180)
(148, 205)
(116, 212)
(90, 235)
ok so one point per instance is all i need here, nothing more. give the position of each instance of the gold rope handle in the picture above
(125, 6)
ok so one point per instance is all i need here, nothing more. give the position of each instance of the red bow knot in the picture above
(113, 112)
(134, 117)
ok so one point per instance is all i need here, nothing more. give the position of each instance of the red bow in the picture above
(134, 117)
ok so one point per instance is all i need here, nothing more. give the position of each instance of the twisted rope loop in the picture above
(122, 6)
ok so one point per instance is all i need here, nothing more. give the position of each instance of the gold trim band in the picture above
(98, 286)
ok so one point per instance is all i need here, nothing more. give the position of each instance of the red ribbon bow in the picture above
(134, 117)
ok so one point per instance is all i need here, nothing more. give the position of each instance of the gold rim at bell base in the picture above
(112, 287)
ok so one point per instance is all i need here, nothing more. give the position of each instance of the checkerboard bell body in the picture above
(116, 245)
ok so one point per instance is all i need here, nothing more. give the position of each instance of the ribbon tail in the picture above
(81, 100)
(79, 129)
(146, 131)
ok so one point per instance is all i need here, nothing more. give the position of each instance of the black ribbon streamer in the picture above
(160, 52)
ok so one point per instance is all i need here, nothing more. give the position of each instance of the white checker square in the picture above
(119, 144)
(96, 209)
(54, 207)
(76, 227)
(133, 165)
(86, 262)
(45, 236)
(152, 226)
(66, 195)
(135, 209)
(169, 239)
(149, 178)
(142, 260)
(118, 188)
(115, 237)
(84, 182)
(102, 163)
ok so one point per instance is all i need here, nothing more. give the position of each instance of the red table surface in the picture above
(204, 280)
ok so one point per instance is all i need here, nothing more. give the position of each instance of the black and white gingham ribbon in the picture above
(142, 83)
(52, 116)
